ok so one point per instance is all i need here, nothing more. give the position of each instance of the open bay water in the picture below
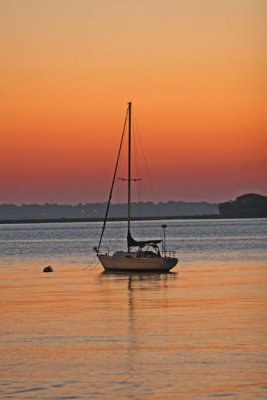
(79, 333)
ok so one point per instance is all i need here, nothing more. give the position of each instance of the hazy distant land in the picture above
(248, 205)
(96, 211)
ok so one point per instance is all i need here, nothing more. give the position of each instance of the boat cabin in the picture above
(146, 250)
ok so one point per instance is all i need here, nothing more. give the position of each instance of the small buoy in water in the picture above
(48, 269)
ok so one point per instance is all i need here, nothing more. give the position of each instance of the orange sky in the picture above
(194, 70)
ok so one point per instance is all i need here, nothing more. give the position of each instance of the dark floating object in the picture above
(48, 269)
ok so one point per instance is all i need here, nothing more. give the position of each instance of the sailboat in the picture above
(140, 256)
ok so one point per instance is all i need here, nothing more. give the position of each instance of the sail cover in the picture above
(136, 243)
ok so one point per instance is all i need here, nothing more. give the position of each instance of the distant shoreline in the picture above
(70, 220)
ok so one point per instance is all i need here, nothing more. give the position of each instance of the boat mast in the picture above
(97, 249)
(129, 166)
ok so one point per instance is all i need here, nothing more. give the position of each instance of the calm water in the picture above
(79, 333)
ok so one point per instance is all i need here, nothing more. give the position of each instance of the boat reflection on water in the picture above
(140, 311)
(140, 281)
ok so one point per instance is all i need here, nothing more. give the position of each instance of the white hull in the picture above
(142, 264)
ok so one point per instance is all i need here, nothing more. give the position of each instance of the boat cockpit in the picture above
(148, 250)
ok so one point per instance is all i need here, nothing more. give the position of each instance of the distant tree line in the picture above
(249, 205)
(97, 210)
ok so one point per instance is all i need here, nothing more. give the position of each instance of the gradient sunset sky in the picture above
(195, 71)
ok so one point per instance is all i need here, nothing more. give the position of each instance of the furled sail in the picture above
(136, 243)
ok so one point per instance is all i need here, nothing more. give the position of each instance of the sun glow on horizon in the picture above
(195, 73)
